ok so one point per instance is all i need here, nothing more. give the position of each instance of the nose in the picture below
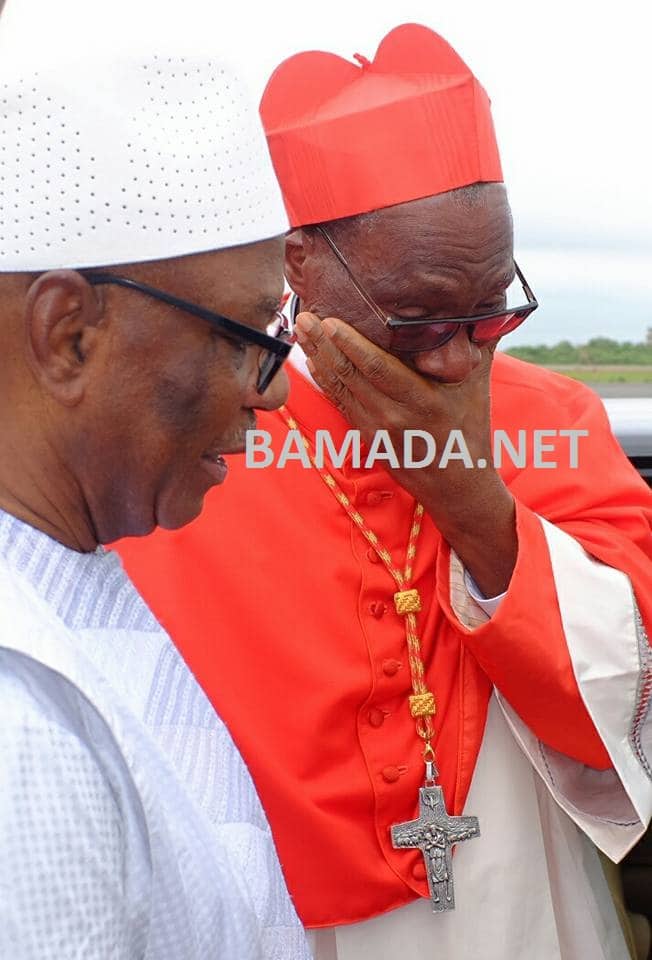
(451, 363)
(275, 395)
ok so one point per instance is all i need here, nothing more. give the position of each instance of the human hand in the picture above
(461, 490)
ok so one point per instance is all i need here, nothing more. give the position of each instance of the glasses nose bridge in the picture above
(453, 360)
(443, 338)
(465, 329)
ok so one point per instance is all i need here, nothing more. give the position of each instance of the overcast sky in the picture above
(571, 86)
(570, 81)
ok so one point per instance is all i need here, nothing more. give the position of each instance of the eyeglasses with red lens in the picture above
(418, 336)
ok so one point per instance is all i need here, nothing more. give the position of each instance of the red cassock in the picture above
(285, 616)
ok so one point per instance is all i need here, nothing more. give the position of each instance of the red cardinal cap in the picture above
(347, 138)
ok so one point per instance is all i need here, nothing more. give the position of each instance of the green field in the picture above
(598, 352)
(606, 373)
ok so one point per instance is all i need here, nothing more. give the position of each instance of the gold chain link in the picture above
(406, 599)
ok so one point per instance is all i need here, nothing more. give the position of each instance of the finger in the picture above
(329, 370)
(392, 379)
(481, 373)
(341, 397)
(361, 364)
(309, 333)
(333, 367)
(313, 340)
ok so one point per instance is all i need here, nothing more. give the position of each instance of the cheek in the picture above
(375, 331)
(358, 316)
(200, 408)
(180, 403)
(185, 391)
(372, 328)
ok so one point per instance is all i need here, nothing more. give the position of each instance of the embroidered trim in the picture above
(593, 816)
(643, 693)
(542, 754)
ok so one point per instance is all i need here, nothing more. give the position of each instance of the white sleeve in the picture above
(71, 881)
(612, 663)
(488, 604)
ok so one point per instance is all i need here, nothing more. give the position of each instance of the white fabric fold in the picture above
(490, 605)
(603, 634)
(530, 885)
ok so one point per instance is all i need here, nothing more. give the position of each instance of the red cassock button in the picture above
(390, 774)
(377, 609)
(419, 870)
(372, 556)
(374, 497)
(391, 667)
(376, 717)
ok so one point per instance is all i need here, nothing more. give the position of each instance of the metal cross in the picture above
(434, 833)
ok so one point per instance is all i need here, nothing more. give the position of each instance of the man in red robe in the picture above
(393, 643)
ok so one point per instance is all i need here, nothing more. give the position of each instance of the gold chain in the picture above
(406, 599)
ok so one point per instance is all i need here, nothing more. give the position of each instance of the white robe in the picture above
(130, 826)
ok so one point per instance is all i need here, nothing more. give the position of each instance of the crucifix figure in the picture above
(434, 833)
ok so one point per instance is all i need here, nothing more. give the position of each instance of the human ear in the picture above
(298, 248)
(62, 313)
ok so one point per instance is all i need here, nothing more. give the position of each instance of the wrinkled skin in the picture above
(441, 256)
(112, 399)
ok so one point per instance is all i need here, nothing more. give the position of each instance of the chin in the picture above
(171, 517)
(174, 515)
(127, 530)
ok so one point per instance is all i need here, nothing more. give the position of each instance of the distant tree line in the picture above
(600, 350)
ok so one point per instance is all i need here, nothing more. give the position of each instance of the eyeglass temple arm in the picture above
(277, 346)
(526, 286)
(374, 306)
(360, 289)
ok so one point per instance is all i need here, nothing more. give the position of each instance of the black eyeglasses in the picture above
(429, 333)
(276, 343)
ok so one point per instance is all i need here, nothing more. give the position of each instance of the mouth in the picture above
(215, 465)
(213, 461)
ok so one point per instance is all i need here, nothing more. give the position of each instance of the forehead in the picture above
(450, 234)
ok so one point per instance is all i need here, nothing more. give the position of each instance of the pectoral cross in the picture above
(434, 833)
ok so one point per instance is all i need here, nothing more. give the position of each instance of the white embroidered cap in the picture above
(129, 159)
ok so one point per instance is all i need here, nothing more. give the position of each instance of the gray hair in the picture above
(363, 224)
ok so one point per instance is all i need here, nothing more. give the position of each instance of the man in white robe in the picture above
(130, 825)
